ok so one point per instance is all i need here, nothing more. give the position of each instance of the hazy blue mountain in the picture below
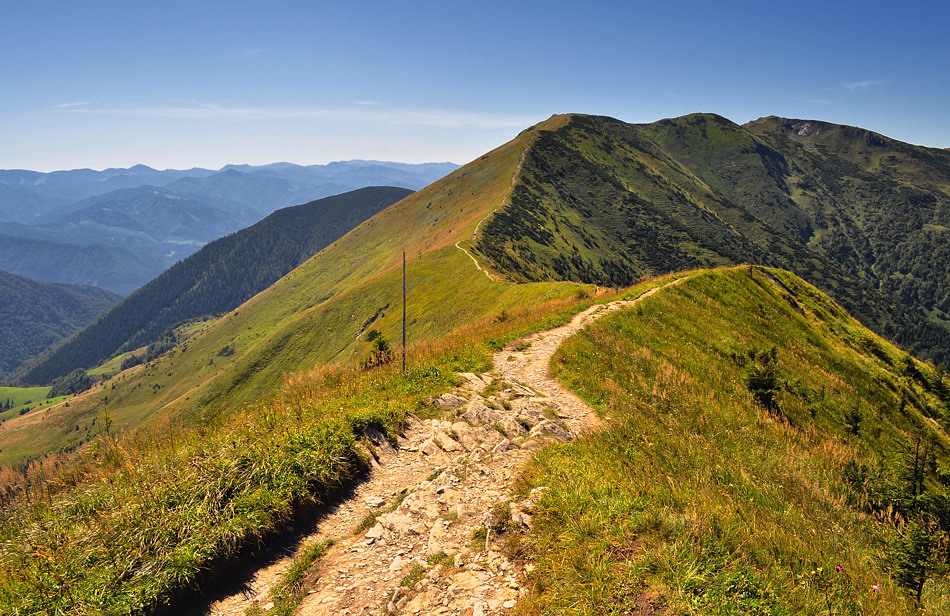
(355, 173)
(117, 270)
(131, 224)
(144, 219)
(262, 192)
(25, 195)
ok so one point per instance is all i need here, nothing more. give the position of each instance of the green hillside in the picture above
(577, 198)
(758, 437)
(216, 279)
(606, 202)
(731, 478)
(318, 313)
(34, 315)
(880, 207)
(764, 454)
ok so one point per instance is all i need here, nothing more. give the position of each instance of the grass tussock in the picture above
(734, 479)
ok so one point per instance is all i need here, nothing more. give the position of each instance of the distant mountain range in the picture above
(126, 226)
(34, 315)
(115, 269)
(214, 280)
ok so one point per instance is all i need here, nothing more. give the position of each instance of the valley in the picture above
(120, 228)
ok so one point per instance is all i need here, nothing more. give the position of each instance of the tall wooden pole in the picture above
(404, 312)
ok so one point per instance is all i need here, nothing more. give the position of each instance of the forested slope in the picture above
(217, 278)
(34, 315)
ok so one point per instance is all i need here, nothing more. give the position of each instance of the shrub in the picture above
(73, 383)
(380, 355)
(762, 378)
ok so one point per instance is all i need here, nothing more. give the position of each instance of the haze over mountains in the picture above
(119, 228)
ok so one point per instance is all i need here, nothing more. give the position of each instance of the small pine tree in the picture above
(762, 378)
(381, 353)
(915, 553)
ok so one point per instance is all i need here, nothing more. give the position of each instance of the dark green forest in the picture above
(34, 315)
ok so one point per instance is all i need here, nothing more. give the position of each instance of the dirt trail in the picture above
(437, 496)
(506, 198)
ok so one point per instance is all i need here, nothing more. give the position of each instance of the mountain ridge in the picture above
(758, 440)
(660, 215)
(697, 191)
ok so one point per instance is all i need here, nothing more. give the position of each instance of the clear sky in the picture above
(179, 84)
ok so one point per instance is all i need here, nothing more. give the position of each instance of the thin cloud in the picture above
(455, 119)
(863, 85)
(72, 105)
(365, 112)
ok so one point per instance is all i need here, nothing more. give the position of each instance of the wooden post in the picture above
(404, 312)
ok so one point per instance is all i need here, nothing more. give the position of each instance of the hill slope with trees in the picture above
(35, 315)
(216, 279)
(863, 217)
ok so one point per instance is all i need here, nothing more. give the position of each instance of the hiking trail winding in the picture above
(436, 495)
(505, 199)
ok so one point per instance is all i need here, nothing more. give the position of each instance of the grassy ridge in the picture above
(135, 519)
(696, 496)
(859, 216)
(312, 315)
(699, 497)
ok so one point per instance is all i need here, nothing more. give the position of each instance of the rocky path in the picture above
(417, 536)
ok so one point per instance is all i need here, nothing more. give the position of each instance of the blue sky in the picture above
(179, 84)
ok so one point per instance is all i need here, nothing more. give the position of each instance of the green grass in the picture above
(314, 315)
(698, 496)
(138, 516)
(694, 495)
(288, 593)
(22, 398)
(606, 202)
